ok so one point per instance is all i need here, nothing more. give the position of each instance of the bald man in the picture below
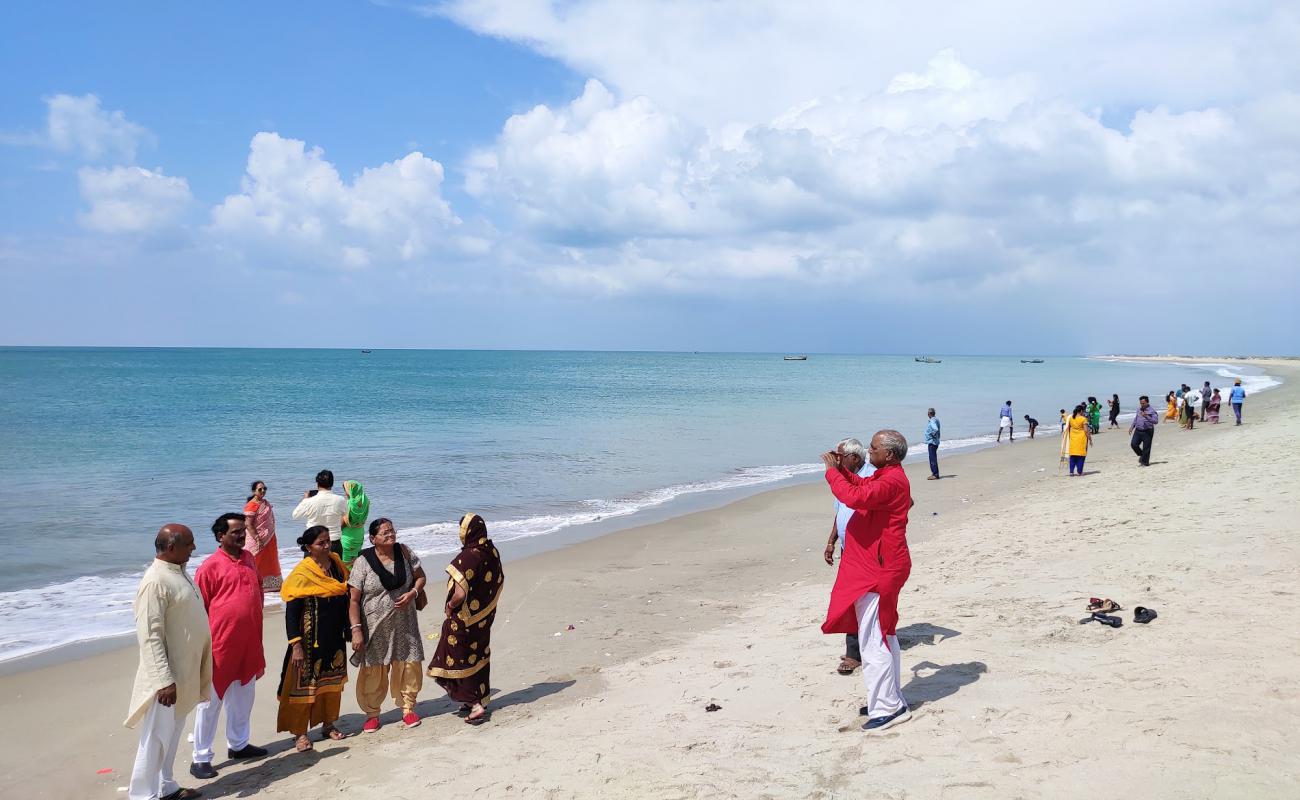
(175, 672)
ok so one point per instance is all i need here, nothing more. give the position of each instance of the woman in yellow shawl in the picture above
(1079, 431)
(1171, 412)
(354, 521)
(316, 617)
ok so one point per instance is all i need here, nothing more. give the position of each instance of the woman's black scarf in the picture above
(394, 580)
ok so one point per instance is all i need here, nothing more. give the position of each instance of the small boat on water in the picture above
(1031, 361)
(365, 352)
(795, 358)
(927, 360)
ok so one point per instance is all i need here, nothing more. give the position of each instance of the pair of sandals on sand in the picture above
(1102, 611)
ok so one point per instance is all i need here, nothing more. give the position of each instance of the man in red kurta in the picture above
(873, 569)
(232, 593)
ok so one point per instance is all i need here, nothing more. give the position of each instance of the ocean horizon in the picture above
(104, 444)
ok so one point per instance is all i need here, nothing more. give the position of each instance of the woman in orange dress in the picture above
(1172, 411)
(260, 539)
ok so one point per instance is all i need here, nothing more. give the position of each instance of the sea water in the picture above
(99, 447)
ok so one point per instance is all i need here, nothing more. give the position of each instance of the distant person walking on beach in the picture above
(460, 663)
(1114, 411)
(1143, 430)
(320, 506)
(853, 456)
(1005, 423)
(875, 566)
(260, 541)
(354, 522)
(1192, 403)
(1213, 407)
(1205, 399)
(316, 620)
(175, 672)
(1237, 397)
(1063, 419)
(1033, 425)
(385, 584)
(932, 444)
(232, 594)
(1080, 439)
(1094, 415)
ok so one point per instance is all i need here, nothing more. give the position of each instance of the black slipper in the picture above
(1106, 619)
(1144, 615)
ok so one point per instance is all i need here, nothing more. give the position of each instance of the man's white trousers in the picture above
(160, 735)
(881, 665)
(238, 702)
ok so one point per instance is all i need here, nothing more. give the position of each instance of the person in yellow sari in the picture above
(1172, 411)
(316, 618)
(1080, 439)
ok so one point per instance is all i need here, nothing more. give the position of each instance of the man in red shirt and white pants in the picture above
(873, 569)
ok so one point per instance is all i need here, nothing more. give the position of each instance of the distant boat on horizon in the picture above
(927, 360)
(796, 358)
(365, 352)
(1031, 361)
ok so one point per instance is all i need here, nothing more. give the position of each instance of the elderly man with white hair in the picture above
(875, 565)
(853, 457)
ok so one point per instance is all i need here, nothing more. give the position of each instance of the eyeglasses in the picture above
(260, 489)
(385, 532)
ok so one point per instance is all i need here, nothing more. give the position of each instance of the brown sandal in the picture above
(302, 743)
(847, 666)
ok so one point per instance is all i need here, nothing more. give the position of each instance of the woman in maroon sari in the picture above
(460, 662)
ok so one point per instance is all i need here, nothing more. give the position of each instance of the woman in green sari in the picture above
(354, 521)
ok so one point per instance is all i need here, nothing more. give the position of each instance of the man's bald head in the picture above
(174, 543)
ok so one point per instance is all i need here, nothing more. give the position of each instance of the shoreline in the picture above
(688, 500)
(718, 605)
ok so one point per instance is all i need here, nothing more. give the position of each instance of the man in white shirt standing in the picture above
(321, 506)
(854, 457)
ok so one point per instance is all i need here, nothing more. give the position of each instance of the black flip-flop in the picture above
(1144, 615)
(1106, 619)
(182, 794)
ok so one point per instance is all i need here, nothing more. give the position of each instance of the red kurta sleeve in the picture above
(861, 494)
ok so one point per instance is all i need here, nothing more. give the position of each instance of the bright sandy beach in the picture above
(1012, 697)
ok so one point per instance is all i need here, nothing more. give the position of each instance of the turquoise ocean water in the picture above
(101, 446)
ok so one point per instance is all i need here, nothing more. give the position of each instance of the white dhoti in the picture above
(238, 702)
(160, 736)
(881, 665)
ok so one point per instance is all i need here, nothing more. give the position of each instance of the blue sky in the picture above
(668, 175)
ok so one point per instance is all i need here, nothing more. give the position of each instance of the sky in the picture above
(922, 177)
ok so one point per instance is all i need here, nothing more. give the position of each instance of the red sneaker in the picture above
(411, 719)
(371, 725)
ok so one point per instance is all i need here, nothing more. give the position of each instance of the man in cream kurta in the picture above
(175, 672)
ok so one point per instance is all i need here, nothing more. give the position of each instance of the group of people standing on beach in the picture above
(872, 500)
(201, 643)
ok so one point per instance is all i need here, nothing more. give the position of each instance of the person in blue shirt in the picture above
(1005, 423)
(932, 444)
(1237, 397)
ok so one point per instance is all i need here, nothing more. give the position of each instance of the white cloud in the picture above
(80, 125)
(131, 199)
(293, 200)
(940, 176)
(748, 60)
